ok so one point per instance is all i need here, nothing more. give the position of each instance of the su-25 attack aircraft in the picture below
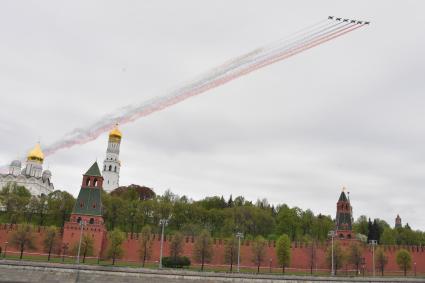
(346, 20)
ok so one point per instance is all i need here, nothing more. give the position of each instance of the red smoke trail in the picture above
(231, 70)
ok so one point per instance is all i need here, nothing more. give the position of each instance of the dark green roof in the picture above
(88, 202)
(343, 197)
(94, 170)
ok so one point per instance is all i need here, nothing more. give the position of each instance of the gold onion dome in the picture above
(36, 153)
(115, 133)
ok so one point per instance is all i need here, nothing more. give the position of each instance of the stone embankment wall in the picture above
(12, 271)
(301, 253)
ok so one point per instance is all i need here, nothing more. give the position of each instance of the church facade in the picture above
(31, 176)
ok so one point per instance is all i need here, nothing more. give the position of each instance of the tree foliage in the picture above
(404, 260)
(381, 260)
(258, 248)
(23, 238)
(355, 255)
(231, 251)
(283, 251)
(339, 256)
(51, 241)
(202, 249)
(145, 244)
(176, 245)
(115, 250)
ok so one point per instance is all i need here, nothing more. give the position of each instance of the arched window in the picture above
(110, 167)
(115, 169)
(94, 182)
(79, 220)
(87, 182)
(104, 168)
(91, 221)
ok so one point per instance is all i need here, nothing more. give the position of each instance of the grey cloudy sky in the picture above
(348, 113)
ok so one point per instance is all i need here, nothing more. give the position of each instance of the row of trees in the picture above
(222, 218)
(381, 231)
(354, 256)
(24, 239)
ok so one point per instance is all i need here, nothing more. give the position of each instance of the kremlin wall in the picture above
(88, 210)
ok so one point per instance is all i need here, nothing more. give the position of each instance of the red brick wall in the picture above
(300, 258)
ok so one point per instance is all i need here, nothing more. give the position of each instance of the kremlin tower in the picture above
(112, 164)
(344, 217)
(87, 213)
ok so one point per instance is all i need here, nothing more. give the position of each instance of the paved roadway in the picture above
(16, 271)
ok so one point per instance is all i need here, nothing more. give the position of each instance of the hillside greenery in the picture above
(219, 216)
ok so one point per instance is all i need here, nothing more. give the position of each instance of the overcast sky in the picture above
(347, 113)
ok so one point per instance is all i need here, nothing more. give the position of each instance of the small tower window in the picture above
(81, 204)
(104, 168)
(115, 169)
(87, 182)
(79, 220)
(91, 221)
(110, 167)
(94, 182)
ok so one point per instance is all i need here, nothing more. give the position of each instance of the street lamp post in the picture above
(415, 268)
(373, 243)
(82, 223)
(332, 234)
(5, 249)
(65, 248)
(239, 235)
(162, 222)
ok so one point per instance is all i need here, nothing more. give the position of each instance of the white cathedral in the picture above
(38, 182)
(32, 175)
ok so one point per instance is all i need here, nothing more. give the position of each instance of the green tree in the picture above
(283, 251)
(355, 256)
(203, 248)
(23, 238)
(145, 242)
(388, 237)
(404, 260)
(176, 246)
(59, 207)
(231, 251)
(115, 250)
(381, 260)
(86, 246)
(339, 256)
(15, 200)
(51, 240)
(258, 248)
(361, 225)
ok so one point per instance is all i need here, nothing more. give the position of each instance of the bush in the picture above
(180, 262)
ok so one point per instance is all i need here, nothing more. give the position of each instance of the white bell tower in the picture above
(112, 163)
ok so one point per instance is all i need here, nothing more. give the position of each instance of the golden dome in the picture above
(36, 153)
(115, 132)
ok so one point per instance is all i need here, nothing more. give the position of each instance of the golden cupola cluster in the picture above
(36, 154)
(115, 133)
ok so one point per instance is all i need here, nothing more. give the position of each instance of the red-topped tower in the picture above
(344, 217)
(87, 208)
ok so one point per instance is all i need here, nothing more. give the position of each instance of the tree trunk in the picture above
(84, 255)
(50, 251)
(258, 268)
(283, 268)
(113, 260)
(405, 271)
(22, 252)
(382, 271)
(144, 258)
(203, 258)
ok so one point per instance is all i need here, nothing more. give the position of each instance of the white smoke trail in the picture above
(298, 42)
